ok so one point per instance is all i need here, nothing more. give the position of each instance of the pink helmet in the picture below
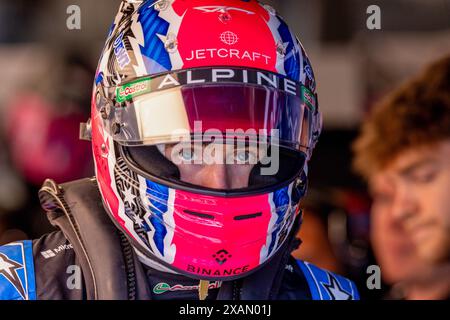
(180, 69)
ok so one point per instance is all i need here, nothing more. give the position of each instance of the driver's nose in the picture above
(216, 176)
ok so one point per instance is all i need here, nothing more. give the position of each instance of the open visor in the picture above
(177, 107)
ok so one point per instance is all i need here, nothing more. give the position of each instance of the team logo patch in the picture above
(17, 272)
(8, 269)
(221, 256)
(335, 291)
(325, 285)
(211, 9)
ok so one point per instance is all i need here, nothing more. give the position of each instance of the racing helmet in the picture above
(176, 71)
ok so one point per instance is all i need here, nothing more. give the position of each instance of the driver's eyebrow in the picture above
(416, 165)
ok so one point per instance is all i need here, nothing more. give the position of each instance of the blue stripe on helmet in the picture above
(292, 59)
(153, 47)
(158, 196)
(281, 202)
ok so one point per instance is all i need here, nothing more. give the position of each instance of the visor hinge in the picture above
(86, 130)
(299, 183)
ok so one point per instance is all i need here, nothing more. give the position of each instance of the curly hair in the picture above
(415, 114)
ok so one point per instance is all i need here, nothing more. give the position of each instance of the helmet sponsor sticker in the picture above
(133, 89)
(163, 287)
(120, 51)
(214, 75)
(217, 272)
(225, 53)
(309, 98)
(229, 38)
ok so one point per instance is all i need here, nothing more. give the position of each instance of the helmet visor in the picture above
(229, 104)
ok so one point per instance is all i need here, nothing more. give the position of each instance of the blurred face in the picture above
(413, 191)
(393, 248)
(216, 166)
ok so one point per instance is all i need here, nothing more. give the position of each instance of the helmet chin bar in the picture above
(286, 246)
(289, 244)
(298, 191)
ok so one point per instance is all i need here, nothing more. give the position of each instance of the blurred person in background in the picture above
(394, 248)
(335, 234)
(42, 122)
(403, 152)
(12, 196)
(40, 129)
(316, 246)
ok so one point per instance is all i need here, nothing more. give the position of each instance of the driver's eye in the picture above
(186, 154)
(245, 156)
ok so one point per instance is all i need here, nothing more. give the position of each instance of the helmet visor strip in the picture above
(233, 103)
